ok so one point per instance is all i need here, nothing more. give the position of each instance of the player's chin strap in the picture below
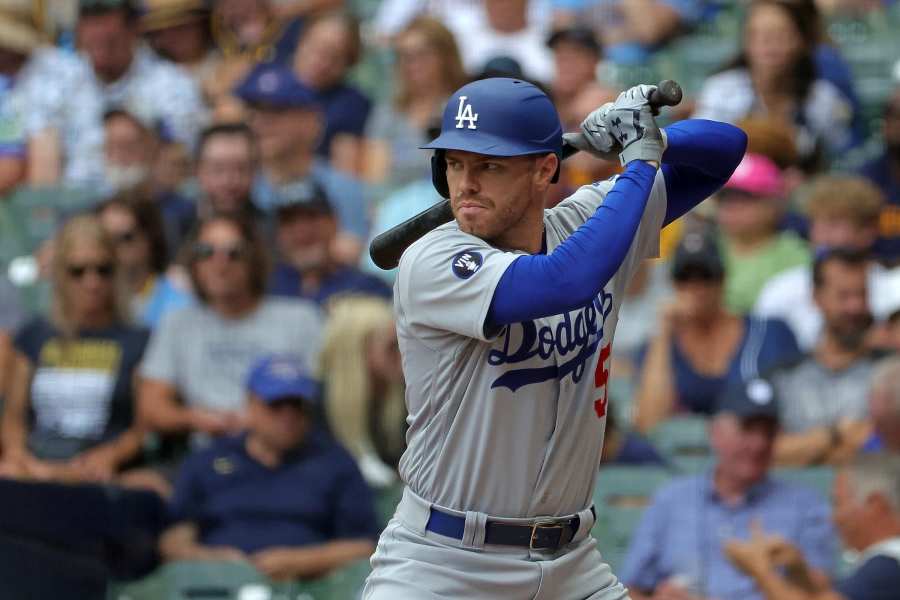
(475, 529)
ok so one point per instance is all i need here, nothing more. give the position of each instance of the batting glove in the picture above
(630, 121)
(594, 137)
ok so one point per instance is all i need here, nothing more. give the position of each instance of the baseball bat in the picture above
(387, 248)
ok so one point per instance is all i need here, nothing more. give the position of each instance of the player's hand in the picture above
(631, 122)
(594, 138)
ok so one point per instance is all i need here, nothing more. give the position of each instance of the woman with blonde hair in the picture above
(69, 413)
(363, 380)
(428, 68)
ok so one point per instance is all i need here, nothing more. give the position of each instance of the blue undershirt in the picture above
(700, 157)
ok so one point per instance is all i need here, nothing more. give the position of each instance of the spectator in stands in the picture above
(306, 231)
(884, 408)
(363, 381)
(50, 120)
(283, 495)
(504, 28)
(180, 31)
(329, 47)
(135, 226)
(843, 213)
(775, 75)
(428, 69)
(69, 413)
(823, 416)
(678, 550)
(127, 73)
(700, 347)
(884, 172)
(246, 33)
(131, 148)
(631, 29)
(867, 514)
(576, 55)
(202, 354)
(749, 210)
(226, 163)
(287, 122)
(888, 334)
(12, 316)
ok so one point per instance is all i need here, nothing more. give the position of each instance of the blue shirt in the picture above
(345, 194)
(765, 344)
(286, 281)
(636, 450)
(878, 578)
(878, 171)
(316, 495)
(682, 534)
(346, 111)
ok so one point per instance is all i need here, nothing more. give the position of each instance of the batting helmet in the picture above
(496, 117)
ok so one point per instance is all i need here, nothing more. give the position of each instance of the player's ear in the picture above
(546, 170)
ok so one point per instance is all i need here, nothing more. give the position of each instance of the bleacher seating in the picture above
(684, 440)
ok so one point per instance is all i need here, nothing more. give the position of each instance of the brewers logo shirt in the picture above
(508, 423)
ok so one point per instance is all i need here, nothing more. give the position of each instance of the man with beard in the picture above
(825, 392)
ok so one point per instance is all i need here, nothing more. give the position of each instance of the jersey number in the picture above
(601, 377)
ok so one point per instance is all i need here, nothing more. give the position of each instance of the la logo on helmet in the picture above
(464, 113)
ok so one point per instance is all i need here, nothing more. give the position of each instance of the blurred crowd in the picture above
(201, 319)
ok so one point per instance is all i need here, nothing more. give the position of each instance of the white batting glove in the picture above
(594, 137)
(631, 122)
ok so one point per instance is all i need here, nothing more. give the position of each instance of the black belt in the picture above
(541, 534)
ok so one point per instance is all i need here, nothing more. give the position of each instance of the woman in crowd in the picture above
(69, 413)
(428, 69)
(775, 74)
(329, 47)
(363, 381)
(137, 230)
(700, 347)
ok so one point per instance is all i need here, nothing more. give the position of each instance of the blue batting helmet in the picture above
(496, 117)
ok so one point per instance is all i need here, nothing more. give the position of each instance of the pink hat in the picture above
(757, 175)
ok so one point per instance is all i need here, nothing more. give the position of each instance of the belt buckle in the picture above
(544, 524)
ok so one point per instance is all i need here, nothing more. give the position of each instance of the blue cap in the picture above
(754, 398)
(500, 117)
(275, 85)
(280, 376)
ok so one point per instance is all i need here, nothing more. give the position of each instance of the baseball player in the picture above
(505, 318)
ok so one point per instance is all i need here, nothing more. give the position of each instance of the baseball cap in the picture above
(698, 253)
(754, 398)
(162, 14)
(280, 376)
(102, 6)
(275, 85)
(577, 34)
(757, 175)
(305, 195)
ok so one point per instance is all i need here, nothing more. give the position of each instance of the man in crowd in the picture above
(226, 162)
(124, 71)
(843, 213)
(823, 416)
(287, 123)
(282, 495)
(678, 549)
(867, 514)
(201, 354)
(306, 231)
(884, 408)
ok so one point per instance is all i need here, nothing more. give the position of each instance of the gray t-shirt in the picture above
(812, 395)
(510, 425)
(207, 357)
(12, 315)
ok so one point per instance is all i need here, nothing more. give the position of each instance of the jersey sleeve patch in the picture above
(465, 264)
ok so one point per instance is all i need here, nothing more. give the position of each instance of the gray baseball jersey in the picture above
(509, 424)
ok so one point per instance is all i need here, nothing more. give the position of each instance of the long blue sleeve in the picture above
(540, 285)
(700, 157)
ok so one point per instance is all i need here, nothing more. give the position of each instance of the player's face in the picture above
(492, 196)
(744, 446)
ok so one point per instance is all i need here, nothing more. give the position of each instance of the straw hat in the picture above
(162, 14)
(17, 26)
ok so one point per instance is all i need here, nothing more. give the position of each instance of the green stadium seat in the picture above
(820, 479)
(386, 501)
(684, 440)
(620, 497)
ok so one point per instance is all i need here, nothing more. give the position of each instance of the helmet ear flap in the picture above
(439, 174)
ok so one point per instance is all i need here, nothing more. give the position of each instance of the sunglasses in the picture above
(204, 251)
(103, 270)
